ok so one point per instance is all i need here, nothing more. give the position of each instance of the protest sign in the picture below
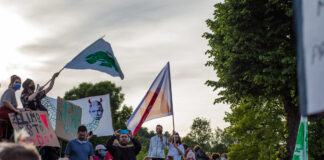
(68, 119)
(37, 125)
(96, 113)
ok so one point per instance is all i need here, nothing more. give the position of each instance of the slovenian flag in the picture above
(156, 103)
(98, 56)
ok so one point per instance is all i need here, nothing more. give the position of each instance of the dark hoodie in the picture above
(120, 153)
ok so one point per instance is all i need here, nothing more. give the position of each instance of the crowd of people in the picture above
(116, 148)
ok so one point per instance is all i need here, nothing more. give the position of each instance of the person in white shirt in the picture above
(176, 149)
(157, 144)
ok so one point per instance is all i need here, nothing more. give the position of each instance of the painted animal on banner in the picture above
(96, 109)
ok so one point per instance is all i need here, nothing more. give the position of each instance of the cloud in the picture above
(144, 36)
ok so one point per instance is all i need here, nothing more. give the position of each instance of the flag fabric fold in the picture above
(156, 103)
(98, 56)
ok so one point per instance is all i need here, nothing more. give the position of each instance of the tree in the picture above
(200, 133)
(257, 129)
(119, 117)
(316, 139)
(221, 141)
(254, 54)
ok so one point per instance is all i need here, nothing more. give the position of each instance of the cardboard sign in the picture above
(37, 125)
(310, 38)
(68, 119)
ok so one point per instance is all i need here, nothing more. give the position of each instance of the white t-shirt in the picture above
(174, 152)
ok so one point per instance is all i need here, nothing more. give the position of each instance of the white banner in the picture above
(310, 36)
(96, 113)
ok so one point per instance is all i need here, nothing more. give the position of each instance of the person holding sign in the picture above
(30, 98)
(8, 103)
(123, 151)
(80, 148)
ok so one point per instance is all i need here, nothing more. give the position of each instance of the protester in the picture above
(99, 152)
(189, 154)
(157, 144)
(79, 148)
(123, 151)
(147, 158)
(30, 98)
(8, 104)
(208, 155)
(224, 157)
(200, 155)
(215, 156)
(108, 156)
(17, 150)
(176, 149)
(49, 153)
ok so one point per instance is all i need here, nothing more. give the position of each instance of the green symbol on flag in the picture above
(103, 57)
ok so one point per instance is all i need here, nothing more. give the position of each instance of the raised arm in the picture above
(110, 147)
(55, 75)
(137, 144)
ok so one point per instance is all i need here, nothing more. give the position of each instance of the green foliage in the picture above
(119, 118)
(253, 52)
(256, 129)
(316, 138)
(200, 133)
(252, 49)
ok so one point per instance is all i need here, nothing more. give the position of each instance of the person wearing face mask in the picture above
(224, 156)
(99, 152)
(123, 151)
(31, 99)
(8, 104)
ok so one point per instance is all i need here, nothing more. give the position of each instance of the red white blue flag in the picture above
(156, 103)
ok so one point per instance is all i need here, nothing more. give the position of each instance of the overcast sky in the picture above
(39, 37)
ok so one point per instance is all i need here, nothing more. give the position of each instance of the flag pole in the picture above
(173, 121)
(51, 78)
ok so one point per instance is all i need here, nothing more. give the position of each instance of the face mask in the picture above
(32, 87)
(223, 158)
(17, 86)
(103, 153)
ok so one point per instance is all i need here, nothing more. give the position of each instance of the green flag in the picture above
(301, 148)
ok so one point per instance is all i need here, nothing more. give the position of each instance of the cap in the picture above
(100, 146)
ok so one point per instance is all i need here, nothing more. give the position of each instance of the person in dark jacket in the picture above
(200, 154)
(123, 151)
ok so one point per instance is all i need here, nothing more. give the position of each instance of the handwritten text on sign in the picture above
(68, 119)
(37, 125)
